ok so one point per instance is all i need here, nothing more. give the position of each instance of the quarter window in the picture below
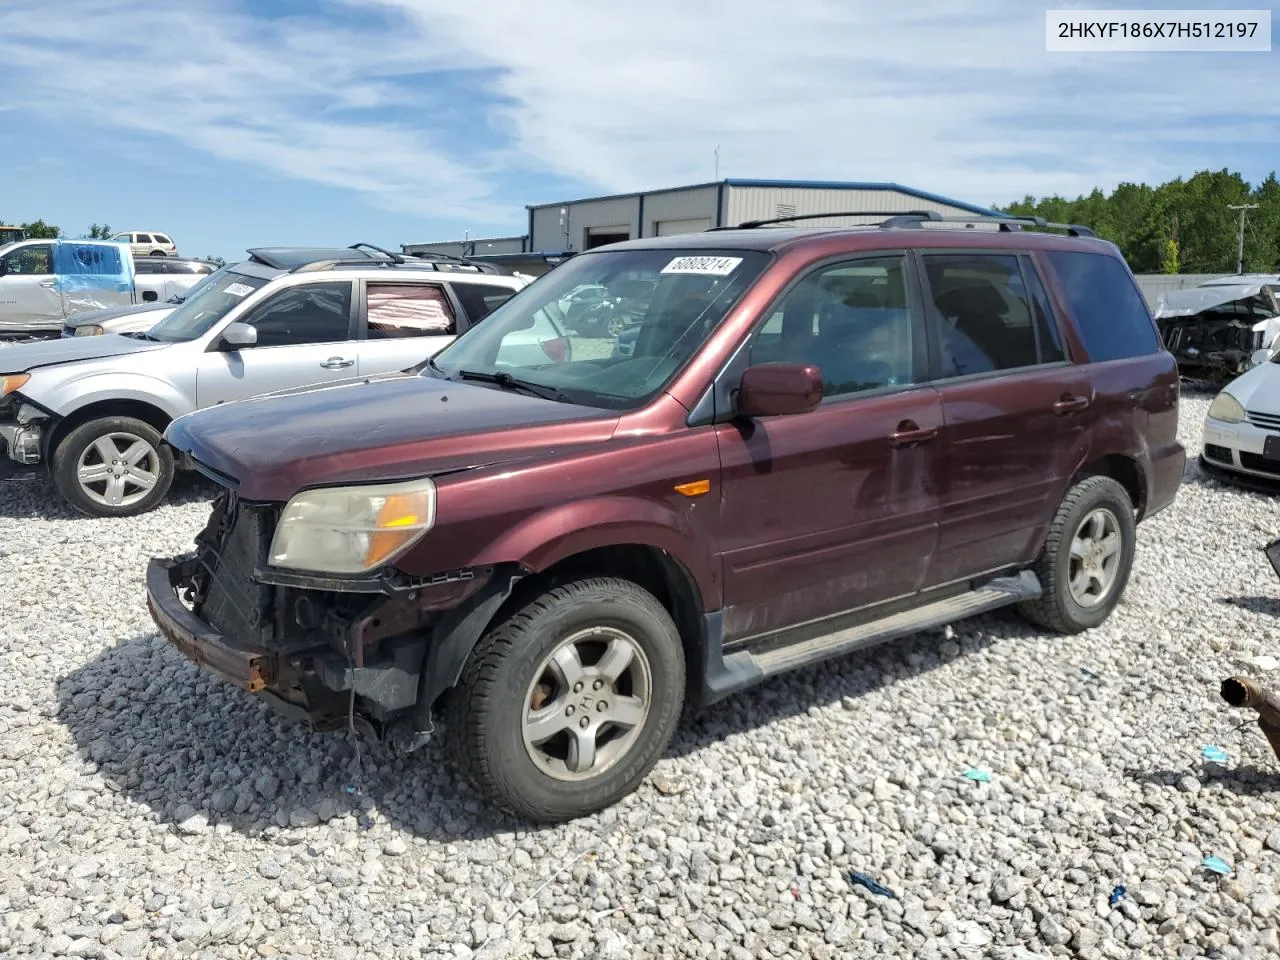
(481, 299)
(987, 318)
(314, 313)
(1110, 313)
(851, 320)
(408, 310)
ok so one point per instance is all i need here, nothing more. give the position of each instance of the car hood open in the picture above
(386, 428)
(23, 357)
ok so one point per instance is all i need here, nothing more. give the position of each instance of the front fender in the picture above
(68, 397)
(557, 533)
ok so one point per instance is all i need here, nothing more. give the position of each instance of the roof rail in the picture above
(753, 224)
(398, 258)
(1006, 223)
(446, 264)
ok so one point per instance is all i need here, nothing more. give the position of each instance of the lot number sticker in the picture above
(707, 266)
(238, 289)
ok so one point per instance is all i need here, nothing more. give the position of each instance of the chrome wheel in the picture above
(587, 703)
(1095, 558)
(118, 469)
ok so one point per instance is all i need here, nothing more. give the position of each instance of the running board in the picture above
(991, 595)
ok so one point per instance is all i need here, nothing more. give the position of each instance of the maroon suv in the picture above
(796, 443)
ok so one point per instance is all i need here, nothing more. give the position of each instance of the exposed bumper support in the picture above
(247, 668)
(22, 440)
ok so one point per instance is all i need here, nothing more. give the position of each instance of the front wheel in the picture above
(1088, 554)
(113, 467)
(563, 709)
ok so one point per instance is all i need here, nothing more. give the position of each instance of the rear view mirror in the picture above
(776, 389)
(238, 335)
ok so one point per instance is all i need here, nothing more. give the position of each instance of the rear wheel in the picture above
(1087, 557)
(113, 467)
(158, 253)
(564, 708)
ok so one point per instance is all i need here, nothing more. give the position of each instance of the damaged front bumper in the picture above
(317, 649)
(22, 432)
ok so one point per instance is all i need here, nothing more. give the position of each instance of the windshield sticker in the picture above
(238, 289)
(707, 266)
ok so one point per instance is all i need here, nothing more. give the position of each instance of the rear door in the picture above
(1015, 408)
(29, 295)
(304, 337)
(402, 322)
(836, 509)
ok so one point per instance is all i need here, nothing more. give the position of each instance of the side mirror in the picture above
(776, 389)
(1260, 357)
(150, 296)
(237, 335)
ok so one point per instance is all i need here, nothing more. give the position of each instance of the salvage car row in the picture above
(440, 497)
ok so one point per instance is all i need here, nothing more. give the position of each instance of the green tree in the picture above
(99, 232)
(39, 230)
(218, 260)
(1169, 256)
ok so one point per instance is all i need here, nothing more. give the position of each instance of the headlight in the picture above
(89, 330)
(353, 529)
(1226, 408)
(10, 382)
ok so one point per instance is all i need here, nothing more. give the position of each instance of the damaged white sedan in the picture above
(1218, 328)
(1242, 429)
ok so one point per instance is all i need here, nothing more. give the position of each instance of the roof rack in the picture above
(1006, 223)
(896, 219)
(753, 224)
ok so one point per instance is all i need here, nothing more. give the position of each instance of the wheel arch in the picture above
(1121, 468)
(148, 413)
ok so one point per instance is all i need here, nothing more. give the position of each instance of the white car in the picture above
(148, 244)
(1242, 429)
(93, 409)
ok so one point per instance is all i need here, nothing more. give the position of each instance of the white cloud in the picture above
(622, 96)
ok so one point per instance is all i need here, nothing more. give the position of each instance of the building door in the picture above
(599, 236)
(674, 228)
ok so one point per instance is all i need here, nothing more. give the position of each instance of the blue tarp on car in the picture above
(92, 276)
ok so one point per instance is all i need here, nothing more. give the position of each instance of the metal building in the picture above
(556, 230)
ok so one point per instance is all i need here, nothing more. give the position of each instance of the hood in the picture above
(112, 313)
(393, 427)
(1189, 302)
(1258, 388)
(44, 353)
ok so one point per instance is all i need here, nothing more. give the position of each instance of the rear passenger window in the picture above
(142, 238)
(481, 299)
(989, 317)
(408, 310)
(1113, 318)
(851, 320)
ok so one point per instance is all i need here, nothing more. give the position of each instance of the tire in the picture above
(1059, 608)
(485, 714)
(158, 253)
(88, 446)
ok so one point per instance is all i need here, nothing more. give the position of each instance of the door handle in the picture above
(48, 283)
(336, 363)
(1070, 404)
(909, 433)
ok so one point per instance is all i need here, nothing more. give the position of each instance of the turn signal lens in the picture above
(10, 382)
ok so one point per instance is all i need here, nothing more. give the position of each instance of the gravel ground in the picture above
(146, 811)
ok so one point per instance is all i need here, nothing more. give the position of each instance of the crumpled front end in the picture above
(23, 427)
(316, 649)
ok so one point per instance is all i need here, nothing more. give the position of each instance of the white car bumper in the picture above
(1241, 446)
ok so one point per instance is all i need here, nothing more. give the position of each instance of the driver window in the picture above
(30, 261)
(313, 313)
(851, 320)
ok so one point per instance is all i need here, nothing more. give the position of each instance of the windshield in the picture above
(607, 328)
(205, 306)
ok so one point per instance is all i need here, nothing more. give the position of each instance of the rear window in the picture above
(481, 299)
(1113, 318)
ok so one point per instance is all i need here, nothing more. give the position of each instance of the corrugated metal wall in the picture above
(764, 203)
(696, 208)
(548, 234)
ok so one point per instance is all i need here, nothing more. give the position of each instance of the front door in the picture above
(1016, 410)
(29, 295)
(304, 338)
(836, 509)
(401, 324)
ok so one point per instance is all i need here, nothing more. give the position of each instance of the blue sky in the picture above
(230, 123)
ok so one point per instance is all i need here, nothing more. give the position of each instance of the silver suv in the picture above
(93, 409)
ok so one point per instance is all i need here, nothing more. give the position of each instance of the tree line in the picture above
(1182, 226)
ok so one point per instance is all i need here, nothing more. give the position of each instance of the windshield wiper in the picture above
(508, 382)
(141, 335)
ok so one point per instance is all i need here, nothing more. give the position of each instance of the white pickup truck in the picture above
(44, 282)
